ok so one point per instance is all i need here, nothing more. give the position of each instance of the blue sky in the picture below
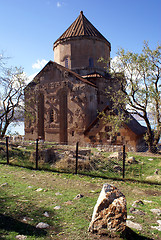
(28, 28)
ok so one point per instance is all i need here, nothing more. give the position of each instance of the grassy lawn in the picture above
(101, 165)
(25, 195)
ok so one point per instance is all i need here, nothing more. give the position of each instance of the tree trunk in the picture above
(3, 131)
(152, 147)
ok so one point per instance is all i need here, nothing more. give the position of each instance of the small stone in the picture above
(92, 191)
(136, 211)
(147, 201)
(4, 184)
(130, 217)
(57, 207)
(156, 211)
(139, 212)
(68, 202)
(26, 219)
(46, 214)
(79, 196)
(157, 227)
(156, 171)
(58, 193)
(132, 160)
(137, 203)
(134, 225)
(132, 209)
(150, 159)
(117, 168)
(42, 225)
(21, 237)
(117, 155)
(39, 190)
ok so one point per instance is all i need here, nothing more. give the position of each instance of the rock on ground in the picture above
(57, 207)
(42, 225)
(46, 214)
(132, 160)
(137, 203)
(157, 227)
(117, 168)
(117, 155)
(21, 237)
(79, 196)
(134, 225)
(136, 211)
(130, 217)
(110, 211)
(156, 211)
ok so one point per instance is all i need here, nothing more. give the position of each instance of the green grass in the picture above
(19, 199)
(101, 165)
(145, 168)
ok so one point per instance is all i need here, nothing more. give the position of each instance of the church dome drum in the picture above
(80, 47)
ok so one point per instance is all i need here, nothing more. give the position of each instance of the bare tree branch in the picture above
(12, 83)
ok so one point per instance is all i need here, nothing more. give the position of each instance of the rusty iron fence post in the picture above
(7, 152)
(37, 153)
(124, 155)
(76, 163)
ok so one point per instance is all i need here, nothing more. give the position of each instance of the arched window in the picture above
(66, 62)
(91, 63)
(51, 116)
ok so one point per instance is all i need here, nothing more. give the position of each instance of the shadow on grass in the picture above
(13, 211)
(10, 224)
(129, 234)
(86, 174)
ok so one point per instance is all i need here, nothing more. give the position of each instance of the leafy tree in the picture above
(138, 88)
(12, 83)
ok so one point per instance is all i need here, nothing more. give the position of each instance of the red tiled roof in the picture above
(81, 27)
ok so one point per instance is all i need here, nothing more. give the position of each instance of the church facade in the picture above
(63, 101)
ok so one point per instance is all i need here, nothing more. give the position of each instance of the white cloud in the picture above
(58, 4)
(39, 64)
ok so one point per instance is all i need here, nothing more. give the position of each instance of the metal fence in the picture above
(103, 161)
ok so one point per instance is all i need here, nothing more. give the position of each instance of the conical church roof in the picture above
(79, 28)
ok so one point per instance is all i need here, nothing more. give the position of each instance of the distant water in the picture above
(19, 128)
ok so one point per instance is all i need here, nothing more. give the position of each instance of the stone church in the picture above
(63, 100)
